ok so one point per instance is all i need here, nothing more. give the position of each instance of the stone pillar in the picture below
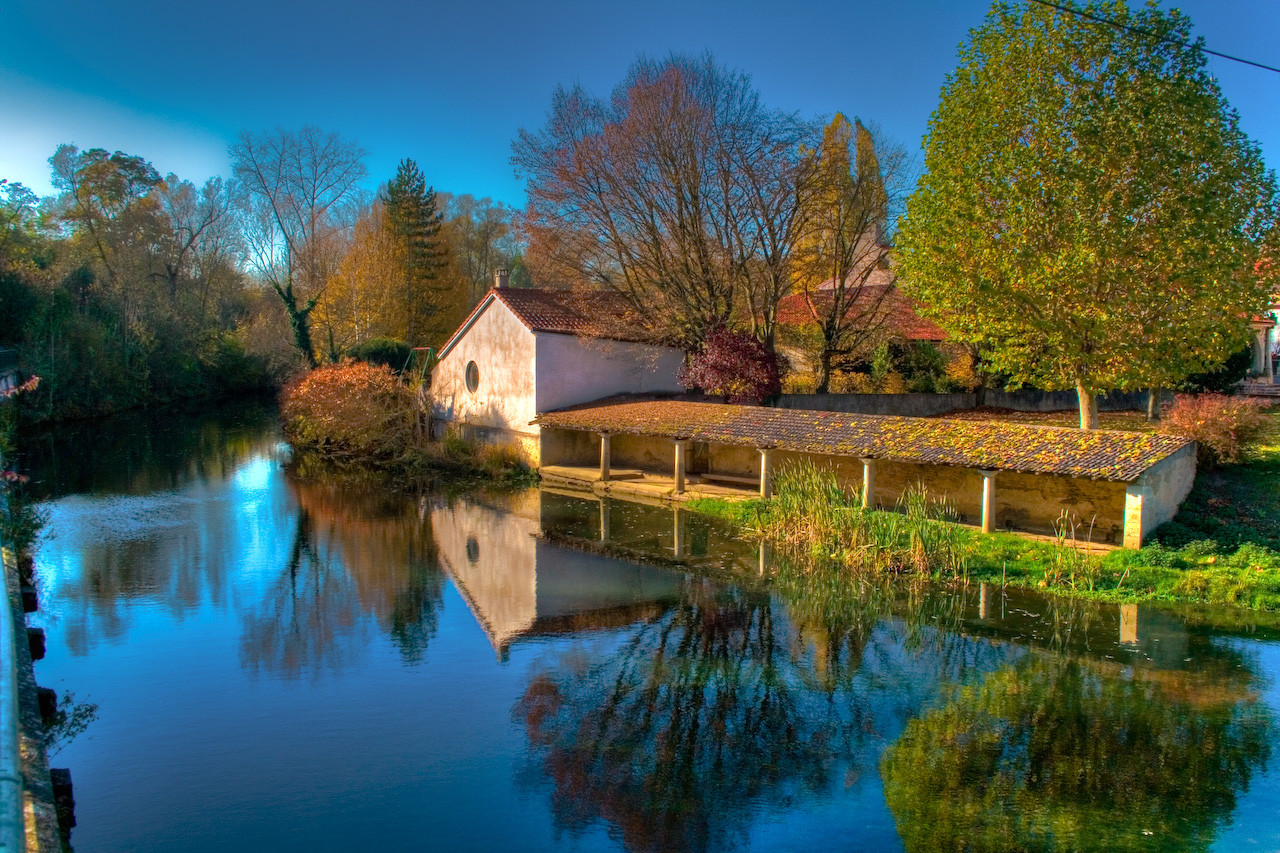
(984, 601)
(678, 536)
(765, 557)
(604, 520)
(988, 500)
(766, 472)
(868, 482)
(1135, 497)
(681, 446)
(1267, 338)
(1129, 624)
(605, 457)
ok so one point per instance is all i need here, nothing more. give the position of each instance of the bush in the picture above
(352, 409)
(386, 351)
(1224, 427)
(735, 365)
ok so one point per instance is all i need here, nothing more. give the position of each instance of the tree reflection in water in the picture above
(723, 707)
(684, 726)
(1061, 753)
(356, 550)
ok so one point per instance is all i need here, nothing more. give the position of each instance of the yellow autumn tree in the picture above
(360, 301)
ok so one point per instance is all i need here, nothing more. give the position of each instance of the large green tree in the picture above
(1091, 210)
(415, 221)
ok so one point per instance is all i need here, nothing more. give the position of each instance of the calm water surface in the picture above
(284, 663)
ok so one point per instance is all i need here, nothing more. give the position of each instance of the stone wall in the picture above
(1155, 497)
(930, 405)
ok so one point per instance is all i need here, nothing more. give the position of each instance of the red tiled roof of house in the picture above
(881, 303)
(589, 314)
(1093, 454)
(592, 313)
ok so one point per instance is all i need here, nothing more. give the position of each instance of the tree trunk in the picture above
(1153, 404)
(1088, 407)
(824, 373)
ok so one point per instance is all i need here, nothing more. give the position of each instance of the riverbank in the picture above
(1222, 549)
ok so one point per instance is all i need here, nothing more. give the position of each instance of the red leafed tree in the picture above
(732, 364)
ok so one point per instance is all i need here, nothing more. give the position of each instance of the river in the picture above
(266, 659)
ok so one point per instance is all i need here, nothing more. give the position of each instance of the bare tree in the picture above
(300, 190)
(194, 218)
(677, 192)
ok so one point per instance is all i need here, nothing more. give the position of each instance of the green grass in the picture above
(1222, 549)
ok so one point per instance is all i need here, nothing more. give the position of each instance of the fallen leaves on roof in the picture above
(1095, 454)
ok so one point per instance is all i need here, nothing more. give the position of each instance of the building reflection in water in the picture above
(518, 584)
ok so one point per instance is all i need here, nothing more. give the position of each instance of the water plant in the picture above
(813, 511)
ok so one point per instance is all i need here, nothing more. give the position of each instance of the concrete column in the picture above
(604, 520)
(1129, 624)
(1135, 497)
(766, 472)
(868, 482)
(1267, 337)
(766, 557)
(681, 446)
(988, 500)
(605, 457)
(984, 601)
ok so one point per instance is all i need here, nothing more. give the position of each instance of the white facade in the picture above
(521, 372)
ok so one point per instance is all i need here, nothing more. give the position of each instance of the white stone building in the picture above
(523, 352)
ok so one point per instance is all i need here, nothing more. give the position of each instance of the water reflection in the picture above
(998, 721)
(1066, 754)
(659, 682)
(518, 584)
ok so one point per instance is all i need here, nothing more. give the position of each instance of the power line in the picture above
(1101, 20)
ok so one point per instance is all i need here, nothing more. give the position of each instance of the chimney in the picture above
(500, 279)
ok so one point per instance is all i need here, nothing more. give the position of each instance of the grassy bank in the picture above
(1223, 548)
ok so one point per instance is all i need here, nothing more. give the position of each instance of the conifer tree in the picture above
(414, 219)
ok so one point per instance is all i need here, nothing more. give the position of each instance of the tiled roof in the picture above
(882, 303)
(590, 314)
(1094, 454)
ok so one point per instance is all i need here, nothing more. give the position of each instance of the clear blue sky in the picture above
(448, 84)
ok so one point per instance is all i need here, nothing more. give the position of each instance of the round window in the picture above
(473, 377)
(473, 550)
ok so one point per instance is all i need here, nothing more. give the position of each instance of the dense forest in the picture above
(127, 287)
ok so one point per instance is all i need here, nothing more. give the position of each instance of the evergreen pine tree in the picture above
(411, 209)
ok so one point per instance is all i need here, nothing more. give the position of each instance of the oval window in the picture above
(473, 377)
(473, 549)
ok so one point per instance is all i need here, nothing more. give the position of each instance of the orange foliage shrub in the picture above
(350, 409)
(1223, 426)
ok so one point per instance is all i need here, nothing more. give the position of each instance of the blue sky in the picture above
(450, 84)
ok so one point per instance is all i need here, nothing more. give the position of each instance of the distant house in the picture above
(522, 352)
(880, 304)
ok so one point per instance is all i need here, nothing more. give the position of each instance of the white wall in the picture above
(574, 370)
(504, 351)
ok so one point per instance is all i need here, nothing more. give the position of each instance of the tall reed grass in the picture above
(812, 510)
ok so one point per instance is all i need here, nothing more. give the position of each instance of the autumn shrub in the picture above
(734, 365)
(1223, 427)
(350, 410)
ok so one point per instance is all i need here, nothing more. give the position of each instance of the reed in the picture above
(811, 510)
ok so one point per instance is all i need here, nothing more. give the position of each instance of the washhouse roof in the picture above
(1094, 454)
